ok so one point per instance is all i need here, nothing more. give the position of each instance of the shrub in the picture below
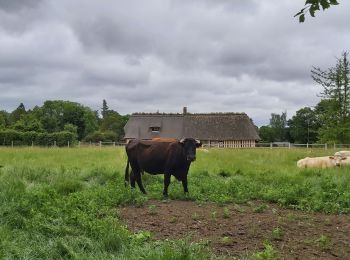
(97, 136)
(26, 138)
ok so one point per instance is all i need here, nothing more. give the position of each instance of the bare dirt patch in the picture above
(239, 230)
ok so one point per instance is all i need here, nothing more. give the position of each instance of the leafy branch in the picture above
(311, 6)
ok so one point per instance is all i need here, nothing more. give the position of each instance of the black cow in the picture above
(160, 157)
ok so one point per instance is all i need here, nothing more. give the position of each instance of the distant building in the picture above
(215, 129)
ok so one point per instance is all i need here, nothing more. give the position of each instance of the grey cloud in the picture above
(208, 55)
(16, 5)
(106, 34)
(115, 74)
(232, 7)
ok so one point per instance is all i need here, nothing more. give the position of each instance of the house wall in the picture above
(230, 143)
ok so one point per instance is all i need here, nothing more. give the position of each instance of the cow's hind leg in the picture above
(166, 184)
(137, 175)
(132, 179)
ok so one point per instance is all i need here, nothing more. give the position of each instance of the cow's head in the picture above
(189, 145)
(337, 160)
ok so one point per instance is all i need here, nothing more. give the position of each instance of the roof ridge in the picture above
(217, 114)
(188, 114)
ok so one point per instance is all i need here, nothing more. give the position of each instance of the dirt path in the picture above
(238, 230)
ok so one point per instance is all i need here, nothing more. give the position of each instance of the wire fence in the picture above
(285, 145)
(77, 144)
(275, 145)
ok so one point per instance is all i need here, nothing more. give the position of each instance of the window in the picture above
(155, 129)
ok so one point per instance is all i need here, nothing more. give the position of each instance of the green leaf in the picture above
(311, 2)
(302, 18)
(325, 4)
(316, 6)
(333, 2)
(312, 11)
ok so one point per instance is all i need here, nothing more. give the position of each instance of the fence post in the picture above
(68, 144)
(12, 144)
(54, 143)
(90, 144)
(32, 144)
(270, 145)
(114, 144)
(79, 144)
(100, 144)
(289, 145)
(325, 146)
(334, 146)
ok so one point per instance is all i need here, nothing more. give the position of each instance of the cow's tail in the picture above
(127, 177)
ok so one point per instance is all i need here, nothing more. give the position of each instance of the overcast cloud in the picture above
(159, 55)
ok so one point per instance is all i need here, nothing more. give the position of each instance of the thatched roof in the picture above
(212, 126)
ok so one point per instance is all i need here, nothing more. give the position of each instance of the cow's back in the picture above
(342, 153)
(316, 162)
(320, 162)
(165, 140)
(345, 162)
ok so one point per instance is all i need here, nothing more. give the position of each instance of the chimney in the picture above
(184, 110)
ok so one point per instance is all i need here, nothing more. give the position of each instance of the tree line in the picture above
(64, 121)
(328, 121)
(59, 122)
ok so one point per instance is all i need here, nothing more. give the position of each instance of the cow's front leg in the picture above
(184, 184)
(139, 181)
(167, 177)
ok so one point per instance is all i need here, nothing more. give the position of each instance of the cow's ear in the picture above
(198, 143)
(343, 158)
(182, 141)
(331, 157)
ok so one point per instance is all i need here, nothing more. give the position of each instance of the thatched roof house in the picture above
(215, 129)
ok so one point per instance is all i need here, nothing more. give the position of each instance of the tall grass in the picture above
(63, 203)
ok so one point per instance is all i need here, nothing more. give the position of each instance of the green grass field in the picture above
(63, 203)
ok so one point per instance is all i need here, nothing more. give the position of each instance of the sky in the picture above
(247, 56)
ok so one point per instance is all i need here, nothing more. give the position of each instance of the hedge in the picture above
(98, 136)
(28, 138)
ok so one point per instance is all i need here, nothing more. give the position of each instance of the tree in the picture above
(330, 131)
(266, 134)
(91, 121)
(278, 125)
(104, 108)
(54, 115)
(4, 119)
(114, 122)
(72, 129)
(17, 114)
(33, 125)
(336, 86)
(303, 126)
(312, 6)
(334, 109)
